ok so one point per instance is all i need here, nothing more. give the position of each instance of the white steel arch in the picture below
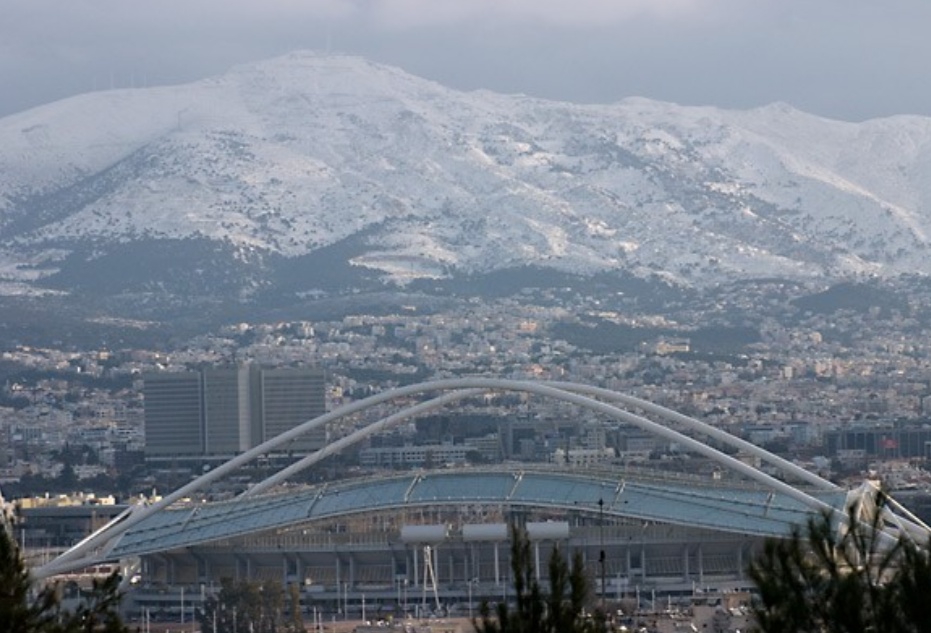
(335, 447)
(460, 388)
(578, 395)
(782, 464)
(612, 396)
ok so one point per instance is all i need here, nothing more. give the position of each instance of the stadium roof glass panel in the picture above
(717, 508)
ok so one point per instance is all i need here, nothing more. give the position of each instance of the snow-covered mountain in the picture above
(402, 177)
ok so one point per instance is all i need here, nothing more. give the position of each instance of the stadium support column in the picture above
(643, 562)
(701, 564)
(685, 562)
(536, 555)
(243, 567)
(497, 566)
(352, 571)
(339, 576)
(416, 562)
(740, 561)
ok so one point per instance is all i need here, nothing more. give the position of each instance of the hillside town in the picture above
(844, 391)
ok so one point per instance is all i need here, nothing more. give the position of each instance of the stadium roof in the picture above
(745, 511)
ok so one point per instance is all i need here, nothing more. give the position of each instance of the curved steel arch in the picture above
(462, 387)
(348, 440)
(576, 395)
(703, 427)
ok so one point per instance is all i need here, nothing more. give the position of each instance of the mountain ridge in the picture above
(284, 157)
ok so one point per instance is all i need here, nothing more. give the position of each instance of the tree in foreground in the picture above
(243, 605)
(852, 579)
(23, 610)
(560, 610)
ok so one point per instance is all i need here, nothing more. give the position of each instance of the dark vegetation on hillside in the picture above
(857, 297)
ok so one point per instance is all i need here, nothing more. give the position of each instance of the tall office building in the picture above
(287, 396)
(173, 414)
(218, 412)
(227, 410)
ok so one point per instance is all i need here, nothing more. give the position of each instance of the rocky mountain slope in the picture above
(307, 171)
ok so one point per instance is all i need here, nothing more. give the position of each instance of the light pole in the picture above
(601, 556)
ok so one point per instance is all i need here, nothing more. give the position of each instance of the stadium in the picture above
(437, 540)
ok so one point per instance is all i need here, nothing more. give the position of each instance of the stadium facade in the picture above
(440, 537)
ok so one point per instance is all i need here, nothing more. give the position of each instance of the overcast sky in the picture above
(846, 59)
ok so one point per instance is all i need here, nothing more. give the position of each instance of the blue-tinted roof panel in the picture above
(730, 510)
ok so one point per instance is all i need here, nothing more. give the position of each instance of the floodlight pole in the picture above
(601, 556)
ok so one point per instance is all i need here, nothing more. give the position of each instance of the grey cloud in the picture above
(840, 58)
